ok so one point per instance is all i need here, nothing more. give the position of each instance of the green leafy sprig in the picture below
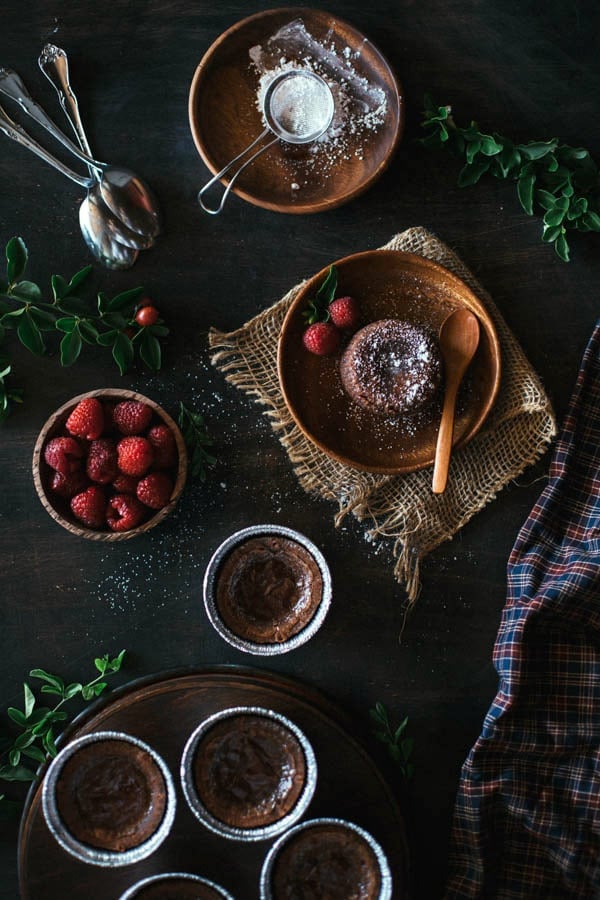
(562, 181)
(197, 439)
(398, 745)
(36, 741)
(318, 308)
(111, 323)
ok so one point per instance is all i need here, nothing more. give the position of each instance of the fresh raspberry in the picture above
(123, 512)
(87, 419)
(322, 338)
(125, 484)
(90, 507)
(63, 454)
(165, 448)
(345, 313)
(132, 417)
(155, 490)
(101, 463)
(68, 485)
(135, 455)
(147, 315)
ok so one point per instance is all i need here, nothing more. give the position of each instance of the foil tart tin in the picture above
(95, 855)
(132, 892)
(210, 583)
(215, 825)
(385, 891)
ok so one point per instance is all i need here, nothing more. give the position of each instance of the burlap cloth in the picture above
(401, 507)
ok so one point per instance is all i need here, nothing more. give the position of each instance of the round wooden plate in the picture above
(163, 711)
(387, 284)
(224, 118)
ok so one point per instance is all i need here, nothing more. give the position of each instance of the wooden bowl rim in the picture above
(477, 307)
(82, 530)
(296, 208)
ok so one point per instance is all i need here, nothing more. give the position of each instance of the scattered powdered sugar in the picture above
(360, 107)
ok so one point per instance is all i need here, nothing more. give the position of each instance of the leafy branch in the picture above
(36, 741)
(196, 440)
(561, 181)
(398, 745)
(111, 324)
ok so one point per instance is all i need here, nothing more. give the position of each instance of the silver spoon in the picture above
(124, 193)
(106, 249)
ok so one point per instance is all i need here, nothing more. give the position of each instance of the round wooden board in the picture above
(164, 711)
(224, 118)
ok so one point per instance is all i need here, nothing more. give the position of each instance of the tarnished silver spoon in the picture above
(125, 194)
(98, 237)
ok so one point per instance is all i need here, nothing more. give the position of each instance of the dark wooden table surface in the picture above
(524, 68)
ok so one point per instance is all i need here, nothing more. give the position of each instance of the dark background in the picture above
(526, 69)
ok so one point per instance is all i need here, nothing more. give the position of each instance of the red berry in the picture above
(132, 417)
(87, 419)
(123, 512)
(155, 490)
(125, 484)
(135, 455)
(90, 507)
(63, 454)
(163, 443)
(147, 315)
(101, 463)
(68, 485)
(345, 313)
(322, 338)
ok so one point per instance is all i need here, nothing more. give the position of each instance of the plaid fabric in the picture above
(527, 816)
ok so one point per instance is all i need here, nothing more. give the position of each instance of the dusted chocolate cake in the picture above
(326, 862)
(392, 367)
(111, 794)
(249, 770)
(268, 589)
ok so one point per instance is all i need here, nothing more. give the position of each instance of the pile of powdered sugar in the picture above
(360, 108)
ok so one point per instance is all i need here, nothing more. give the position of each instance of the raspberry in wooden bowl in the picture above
(108, 799)
(109, 464)
(267, 589)
(248, 773)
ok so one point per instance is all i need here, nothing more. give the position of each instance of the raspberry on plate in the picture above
(87, 419)
(68, 485)
(124, 511)
(63, 454)
(345, 313)
(90, 507)
(132, 417)
(101, 463)
(321, 338)
(155, 490)
(164, 445)
(135, 455)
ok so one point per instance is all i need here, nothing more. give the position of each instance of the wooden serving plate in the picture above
(396, 285)
(163, 711)
(224, 118)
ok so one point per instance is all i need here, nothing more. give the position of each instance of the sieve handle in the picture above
(214, 211)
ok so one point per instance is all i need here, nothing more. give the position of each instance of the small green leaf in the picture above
(489, 146)
(48, 689)
(44, 320)
(116, 663)
(73, 306)
(16, 259)
(122, 352)
(525, 192)
(102, 302)
(29, 699)
(562, 248)
(89, 332)
(126, 300)
(66, 324)
(326, 292)
(106, 338)
(48, 743)
(14, 757)
(72, 689)
(87, 692)
(24, 740)
(78, 278)
(551, 232)
(16, 773)
(472, 150)
(99, 687)
(30, 335)
(54, 680)
(150, 351)
(545, 199)
(102, 663)
(538, 149)
(27, 290)
(17, 716)
(157, 330)
(592, 220)
(34, 753)
(70, 347)
(115, 320)
(60, 288)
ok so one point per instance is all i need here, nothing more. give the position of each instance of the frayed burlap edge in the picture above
(401, 508)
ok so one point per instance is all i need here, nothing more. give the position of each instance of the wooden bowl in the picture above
(59, 508)
(387, 284)
(224, 118)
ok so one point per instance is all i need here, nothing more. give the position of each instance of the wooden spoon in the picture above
(459, 338)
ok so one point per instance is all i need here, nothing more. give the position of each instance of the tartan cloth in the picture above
(527, 815)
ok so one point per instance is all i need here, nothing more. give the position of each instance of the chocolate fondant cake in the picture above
(268, 589)
(178, 889)
(249, 770)
(328, 861)
(111, 794)
(392, 367)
